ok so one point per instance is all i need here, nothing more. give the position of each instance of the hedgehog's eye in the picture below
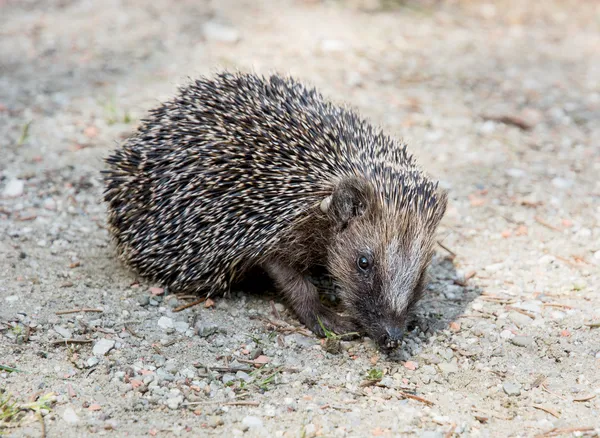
(363, 262)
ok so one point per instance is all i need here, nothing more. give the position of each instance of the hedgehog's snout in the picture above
(392, 337)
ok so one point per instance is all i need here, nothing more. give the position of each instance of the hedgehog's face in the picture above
(379, 260)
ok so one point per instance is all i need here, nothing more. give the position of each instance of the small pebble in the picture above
(103, 346)
(220, 32)
(522, 341)
(252, 421)
(228, 378)
(241, 375)
(13, 188)
(449, 367)
(204, 330)
(174, 402)
(65, 333)
(181, 326)
(511, 389)
(519, 319)
(70, 416)
(215, 421)
(165, 323)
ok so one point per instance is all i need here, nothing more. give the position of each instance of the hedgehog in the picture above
(240, 171)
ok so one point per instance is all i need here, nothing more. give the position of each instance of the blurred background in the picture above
(500, 100)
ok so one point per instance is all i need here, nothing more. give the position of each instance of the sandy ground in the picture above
(499, 100)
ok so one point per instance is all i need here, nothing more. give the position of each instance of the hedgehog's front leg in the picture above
(303, 297)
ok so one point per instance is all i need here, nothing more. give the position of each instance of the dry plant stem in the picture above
(242, 403)
(72, 341)
(188, 305)
(452, 253)
(66, 312)
(546, 224)
(557, 305)
(545, 388)
(521, 311)
(450, 431)
(42, 424)
(416, 397)
(547, 410)
(564, 431)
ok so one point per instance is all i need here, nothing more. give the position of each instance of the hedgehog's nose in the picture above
(392, 337)
(394, 333)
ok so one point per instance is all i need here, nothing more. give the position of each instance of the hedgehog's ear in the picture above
(350, 199)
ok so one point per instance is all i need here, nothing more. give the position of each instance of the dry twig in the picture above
(188, 305)
(66, 312)
(521, 311)
(450, 431)
(564, 431)
(72, 341)
(547, 410)
(452, 253)
(416, 397)
(541, 221)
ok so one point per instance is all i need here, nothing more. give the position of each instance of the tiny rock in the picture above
(103, 346)
(181, 326)
(241, 375)
(330, 46)
(561, 183)
(220, 32)
(13, 188)
(252, 421)
(448, 367)
(174, 402)
(165, 323)
(70, 416)
(522, 341)
(65, 333)
(156, 291)
(410, 365)
(511, 389)
(519, 319)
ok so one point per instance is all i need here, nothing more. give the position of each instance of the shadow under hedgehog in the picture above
(240, 171)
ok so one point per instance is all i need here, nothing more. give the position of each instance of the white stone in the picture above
(494, 267)
(181, 326)
(561, 183)
(103, 346)
(515, 173)
(49, 204)
(174, 402)
(220, 32)
(13, 188)
(252, 421)
(165, 323)
(70, 416)
(332, 45)
(65, 333)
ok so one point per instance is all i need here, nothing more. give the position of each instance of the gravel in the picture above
(504, 108)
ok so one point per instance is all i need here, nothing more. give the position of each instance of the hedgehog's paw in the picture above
(328, 323)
